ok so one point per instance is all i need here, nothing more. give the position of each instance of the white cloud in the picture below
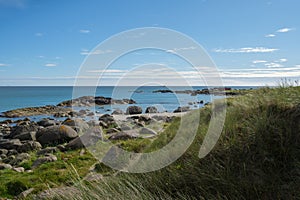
(270, 35)
(247, 50)
(85, 52)
(273, 65)
(3, 65)
(180, 49)
(50, 65)
(84, 31)
(284, 30)
(259, 61)
(38, 34)
(282, 60)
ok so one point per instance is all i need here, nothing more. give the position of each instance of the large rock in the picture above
(23, 128)
(20, 158)
(124, 135)
(182, 109)
(45, 122)
(26, 136)
(107, 120)
(43, 110)
(117, 112)
(77, 124)
(54, 135)
(151, 109)
(91, 137)
(133, 110)
(147, 131)
(29, 146)
(10, 144)
(3, 151)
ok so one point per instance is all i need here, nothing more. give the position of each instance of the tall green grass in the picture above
(256, 157)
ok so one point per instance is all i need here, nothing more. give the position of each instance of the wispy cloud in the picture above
(84, 31)
(273, 65)
(284, 30)
(180, 49)
(86, 52)
(259, 61)
(50, 65)
(270, 35)
(282, 60)
(247, 50)
(3, 65)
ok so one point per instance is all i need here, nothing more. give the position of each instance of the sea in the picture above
(13, 97)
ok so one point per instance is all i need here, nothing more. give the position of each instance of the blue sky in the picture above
(252, 42)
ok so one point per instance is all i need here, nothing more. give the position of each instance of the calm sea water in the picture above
(19, 97)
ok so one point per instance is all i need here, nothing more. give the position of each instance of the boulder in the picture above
(117, 112)
(42, 160)
(3, 151)
(5, 166)
(151, 109)
(125, 127)
(24, 127)
(20, 158)
(91, 137)
(29, 146)
(108, 120)
(133, 110)
(147, 131)
(47, 150)
(45, 122)
(10, 144)
(182, 109)
(26, 136)
(54, 135)
(77, 124)
(124, 135)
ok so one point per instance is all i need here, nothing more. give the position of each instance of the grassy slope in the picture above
(257, 156)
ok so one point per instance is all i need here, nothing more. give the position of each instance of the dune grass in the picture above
(256, 157)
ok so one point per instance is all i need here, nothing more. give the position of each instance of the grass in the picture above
(256, 157)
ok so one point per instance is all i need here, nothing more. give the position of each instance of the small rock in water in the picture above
(151, 109)
(133, 110)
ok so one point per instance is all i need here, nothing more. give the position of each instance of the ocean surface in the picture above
(30, 96)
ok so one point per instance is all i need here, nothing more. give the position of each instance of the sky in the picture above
(251, 42)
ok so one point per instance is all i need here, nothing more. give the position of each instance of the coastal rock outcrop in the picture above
(79, 125)
(151, 109)
(91, 100)
(54, 135)
(30, 111)
(133, 110)
(182, 109)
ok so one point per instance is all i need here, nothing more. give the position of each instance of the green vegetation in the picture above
(256, 157)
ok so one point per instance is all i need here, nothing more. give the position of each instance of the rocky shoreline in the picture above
(63, 109)
(19, 138)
